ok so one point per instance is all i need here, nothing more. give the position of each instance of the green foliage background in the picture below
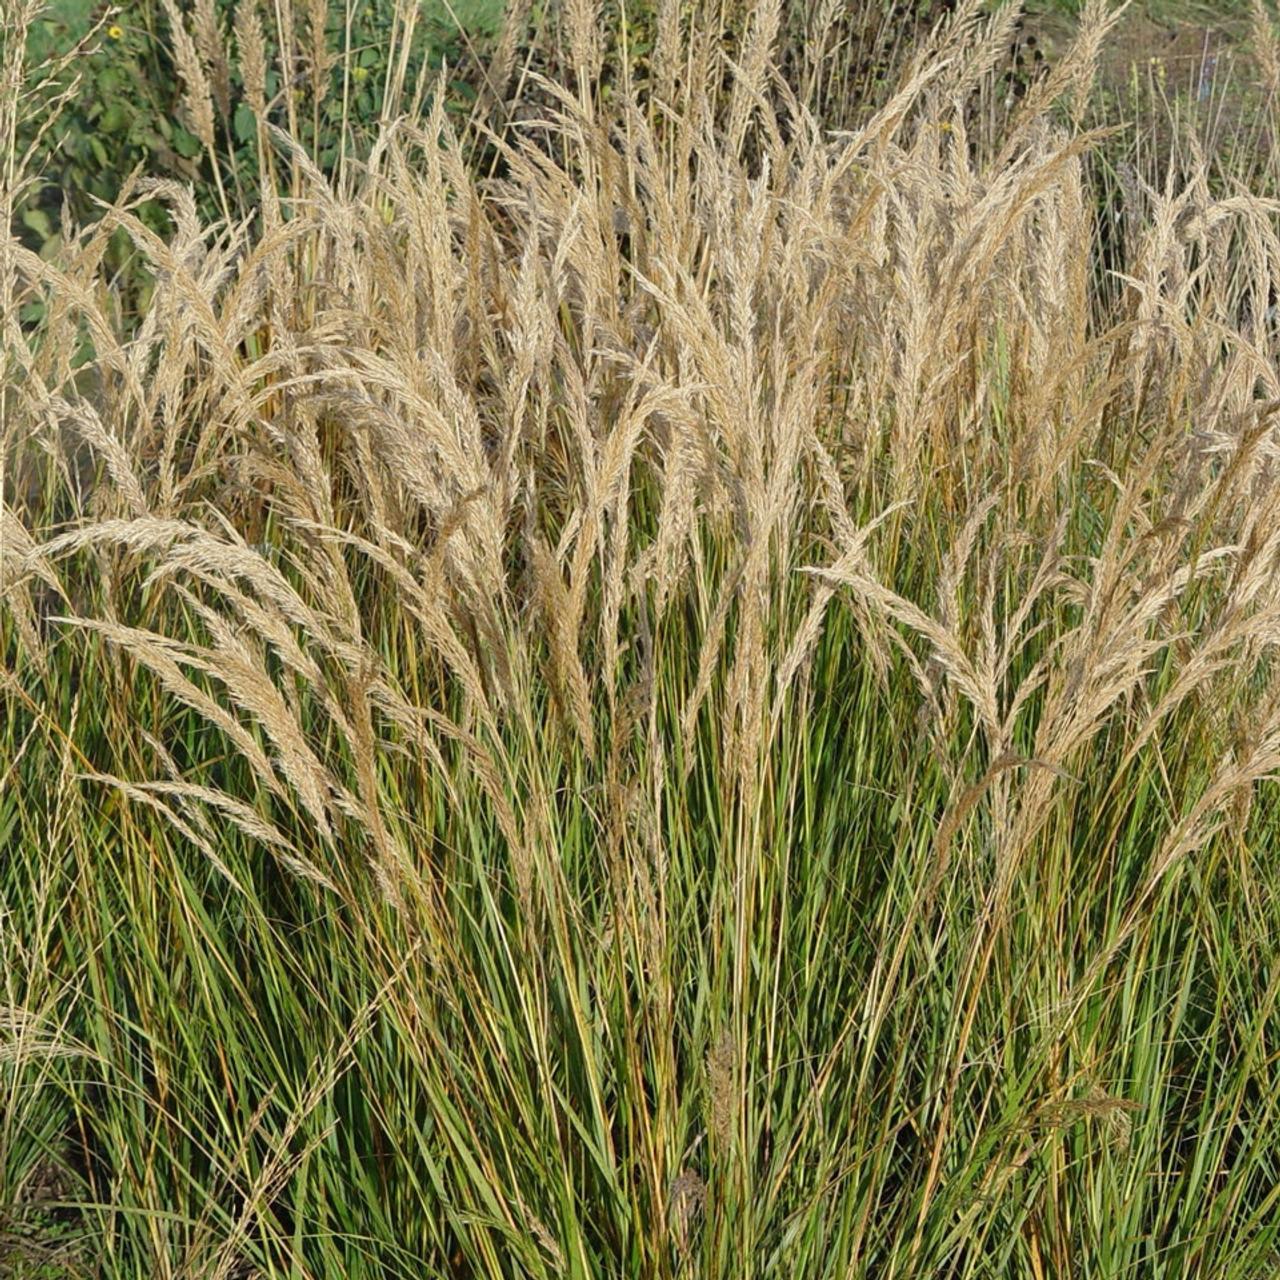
(127, 111)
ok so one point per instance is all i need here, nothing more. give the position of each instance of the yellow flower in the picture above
(359, 73)
(115, 33)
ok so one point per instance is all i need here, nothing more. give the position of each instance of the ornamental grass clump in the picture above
(649, 687)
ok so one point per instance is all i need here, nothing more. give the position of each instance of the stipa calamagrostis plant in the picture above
(696, 700)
